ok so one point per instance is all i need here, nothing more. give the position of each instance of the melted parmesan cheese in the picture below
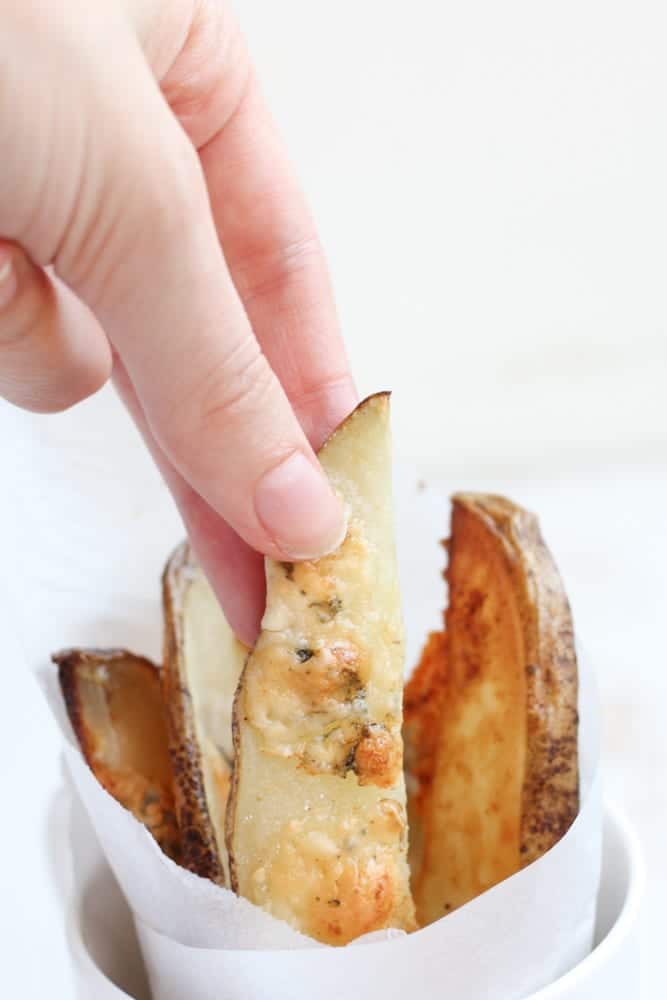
(319, 691)
(340, 880)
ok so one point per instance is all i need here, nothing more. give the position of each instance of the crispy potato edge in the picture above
(550, 800)
(200, 850)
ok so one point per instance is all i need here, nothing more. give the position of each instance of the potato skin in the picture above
(502, 786)
(200, 848)
(114, 704)
(550, 799)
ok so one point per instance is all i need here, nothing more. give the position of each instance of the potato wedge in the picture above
(114, 703)
(423, 705)
(316, 822)
(202, 665)
(504, 787)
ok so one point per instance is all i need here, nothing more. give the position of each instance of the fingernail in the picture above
(298, 508)
(7, 279)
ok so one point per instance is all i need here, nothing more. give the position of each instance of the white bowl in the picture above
(108, 964)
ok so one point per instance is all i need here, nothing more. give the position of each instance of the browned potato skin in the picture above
(114, 703)
(200, 851)
(509, 620)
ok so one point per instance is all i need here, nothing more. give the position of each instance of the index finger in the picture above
(267, 232)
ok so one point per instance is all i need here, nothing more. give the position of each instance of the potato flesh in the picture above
(115, 706)
(316, 824)
(473, 815)
(213, 661)
(203, 662)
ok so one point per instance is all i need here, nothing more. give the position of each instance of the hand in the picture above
(140, 166)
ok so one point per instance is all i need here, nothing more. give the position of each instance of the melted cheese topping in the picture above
(340, 881)
(315, 691)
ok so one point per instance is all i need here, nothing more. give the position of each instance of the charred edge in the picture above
(230, 810)
(550, 799)
(376, 397)
(200, 852)
(550, 795)
(67, 662)
(70, 661)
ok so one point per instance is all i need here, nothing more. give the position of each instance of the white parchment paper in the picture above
(91, 527)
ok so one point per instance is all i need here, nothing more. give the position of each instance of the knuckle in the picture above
(238, 394)
(209, 78)
(148, 199)
(315, 395)
(230, 394)
(27, 313)
(42, 368)
(266, 270)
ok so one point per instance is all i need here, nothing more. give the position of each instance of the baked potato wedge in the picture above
(114, 703)
(316, 821)
(423, 705)
(504, 785)
(202, 665)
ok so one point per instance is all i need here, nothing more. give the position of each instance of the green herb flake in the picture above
(326, 611)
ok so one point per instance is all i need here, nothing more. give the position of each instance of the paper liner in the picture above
(518, 936)
(502, 945)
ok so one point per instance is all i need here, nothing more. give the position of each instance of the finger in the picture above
(277, 264)
(235, 571)
(216, 408)
(52, 351)
(264, 225)
(140, 248)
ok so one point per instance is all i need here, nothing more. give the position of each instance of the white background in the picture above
(489, 180)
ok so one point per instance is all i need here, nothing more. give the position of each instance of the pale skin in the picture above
(152, 231)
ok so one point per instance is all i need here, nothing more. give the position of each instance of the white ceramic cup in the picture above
(108, 964)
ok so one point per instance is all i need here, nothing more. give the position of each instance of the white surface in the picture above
(489, 181)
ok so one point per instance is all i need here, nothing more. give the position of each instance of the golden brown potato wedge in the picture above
(202, 664)
(114, 703)
(504, 785)
(316, 822)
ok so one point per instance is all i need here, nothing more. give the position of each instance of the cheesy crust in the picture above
(308, 692)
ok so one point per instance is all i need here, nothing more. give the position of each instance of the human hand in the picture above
(140, 165)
